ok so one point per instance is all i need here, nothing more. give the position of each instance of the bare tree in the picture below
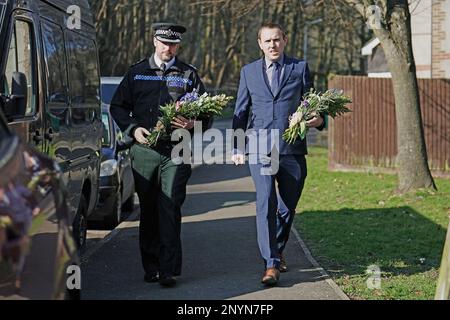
(391, 23)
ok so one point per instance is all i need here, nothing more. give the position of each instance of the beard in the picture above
(167, 56)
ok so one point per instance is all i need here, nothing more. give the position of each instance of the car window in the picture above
(4, 132)
(4, 135)
(20, 59)
(108, 91)
(2, 13)
(106, 140)
(84, 79)
(56, 65)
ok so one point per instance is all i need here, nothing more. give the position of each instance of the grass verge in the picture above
(357, 227)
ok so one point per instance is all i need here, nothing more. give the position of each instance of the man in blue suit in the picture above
(273, 88)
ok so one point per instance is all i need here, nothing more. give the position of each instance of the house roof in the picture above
(368, 48)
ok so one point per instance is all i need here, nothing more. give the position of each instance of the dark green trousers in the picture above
(161, 187)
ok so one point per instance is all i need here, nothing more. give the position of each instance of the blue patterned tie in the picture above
(276, 77)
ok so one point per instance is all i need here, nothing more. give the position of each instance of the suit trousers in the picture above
(277, 196)
(161, 187)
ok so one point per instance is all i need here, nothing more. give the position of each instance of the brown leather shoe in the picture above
(283, 265)
(271, 277)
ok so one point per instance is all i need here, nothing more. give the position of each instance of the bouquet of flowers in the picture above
(332, 103)
(190, 106)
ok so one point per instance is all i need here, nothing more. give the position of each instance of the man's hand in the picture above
(140, 134)
(315, 122)
(238, 159)
(180, 122)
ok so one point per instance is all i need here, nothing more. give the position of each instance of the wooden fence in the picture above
(366, 138)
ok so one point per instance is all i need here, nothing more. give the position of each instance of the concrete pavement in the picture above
(220, 254)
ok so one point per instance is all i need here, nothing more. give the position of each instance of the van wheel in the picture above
(80, 224)
(128, 206)
(113, 219)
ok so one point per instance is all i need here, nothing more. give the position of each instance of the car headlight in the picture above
(108, 168)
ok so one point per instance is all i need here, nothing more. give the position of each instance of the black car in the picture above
(38, 254)
(51, 65)
(116, 175)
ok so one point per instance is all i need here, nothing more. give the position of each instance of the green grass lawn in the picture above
(351, 221)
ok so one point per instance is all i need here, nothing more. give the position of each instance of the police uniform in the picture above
(160, 183)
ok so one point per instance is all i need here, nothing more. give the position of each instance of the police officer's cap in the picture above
(168, 32)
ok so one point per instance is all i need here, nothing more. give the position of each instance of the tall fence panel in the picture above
(366, 139)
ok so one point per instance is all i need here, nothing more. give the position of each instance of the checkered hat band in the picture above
(168, 33)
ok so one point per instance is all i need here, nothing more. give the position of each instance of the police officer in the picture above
(160, 183)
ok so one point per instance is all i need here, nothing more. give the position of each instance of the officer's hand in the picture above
(315, 122)
(140, 134)
(238, 159)
(181, 122)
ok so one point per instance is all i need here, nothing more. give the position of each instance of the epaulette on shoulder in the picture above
(138, 62)
(189, 65)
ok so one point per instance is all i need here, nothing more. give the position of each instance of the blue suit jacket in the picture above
(271, 111)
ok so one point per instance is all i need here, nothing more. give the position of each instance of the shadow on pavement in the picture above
(200, 203)
(221, 261)
(226, 172)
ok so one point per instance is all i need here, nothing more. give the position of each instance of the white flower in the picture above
(295, 119)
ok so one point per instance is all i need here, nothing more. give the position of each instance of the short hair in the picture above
(270, 25)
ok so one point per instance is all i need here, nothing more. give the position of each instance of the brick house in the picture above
(430, 26)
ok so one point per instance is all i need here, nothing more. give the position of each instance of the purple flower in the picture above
(190, 97)
(305, 104)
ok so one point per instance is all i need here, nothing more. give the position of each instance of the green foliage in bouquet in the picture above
(191, 106)
(332, 103)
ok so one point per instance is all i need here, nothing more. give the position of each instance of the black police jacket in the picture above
(145, 88)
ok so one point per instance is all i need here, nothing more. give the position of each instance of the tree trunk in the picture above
(412, 154)
(396, 40)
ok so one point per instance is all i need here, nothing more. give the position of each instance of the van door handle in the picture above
(37, 138)
(49, 135)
